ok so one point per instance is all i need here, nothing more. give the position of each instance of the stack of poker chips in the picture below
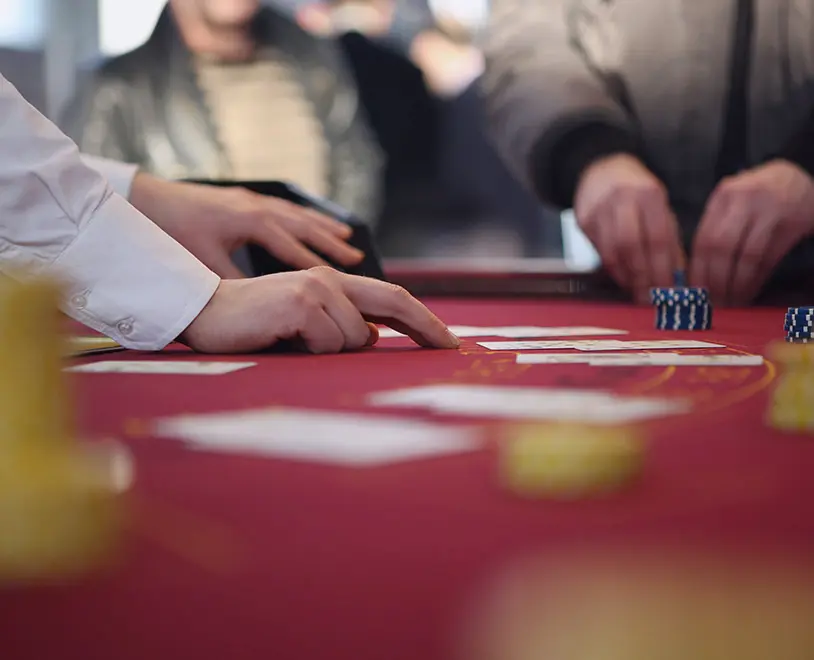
(58, 514)
(569, 461)
(681, 307)
(790, 404)
(799, 324)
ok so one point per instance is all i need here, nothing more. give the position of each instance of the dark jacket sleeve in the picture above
(543, 100)
(574, 152)
(800, 148)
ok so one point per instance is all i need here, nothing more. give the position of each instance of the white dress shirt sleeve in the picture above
(119, 175)
(58, 217)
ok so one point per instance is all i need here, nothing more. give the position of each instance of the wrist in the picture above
(142, 190)
(600, 166)
(154, 198)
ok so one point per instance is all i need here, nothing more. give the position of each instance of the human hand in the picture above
(327, 311)
(623, 209)
(751, 222)
(448, 67)
(213, 222)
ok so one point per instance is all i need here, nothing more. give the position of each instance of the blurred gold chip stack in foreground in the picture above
(791, 404)
(569, 461)
(641, 604)
(58, 513)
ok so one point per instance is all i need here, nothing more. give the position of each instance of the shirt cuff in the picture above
(119, 175)
(130, 280)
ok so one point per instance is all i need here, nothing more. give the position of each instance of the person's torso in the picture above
(672, 59)
(266, 123)
(181, 124)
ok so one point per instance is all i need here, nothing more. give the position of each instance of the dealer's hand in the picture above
(213, 222)
(323, 309)
(751, 222)
(624, 210)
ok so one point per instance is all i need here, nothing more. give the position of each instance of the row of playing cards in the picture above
(366, 440)
(596, 345)
(518, 331)
(531, 403)
(632, 359)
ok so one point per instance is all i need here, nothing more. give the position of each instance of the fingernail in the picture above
(456, 342)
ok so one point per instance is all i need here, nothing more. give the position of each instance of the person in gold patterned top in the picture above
(233, 90)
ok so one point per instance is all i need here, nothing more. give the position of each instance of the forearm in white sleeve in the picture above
(119, 175)
(124, 276)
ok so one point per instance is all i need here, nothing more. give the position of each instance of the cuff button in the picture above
(124, 327)
(79, 301)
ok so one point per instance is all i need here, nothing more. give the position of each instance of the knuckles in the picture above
(398, 292)
(312, 286)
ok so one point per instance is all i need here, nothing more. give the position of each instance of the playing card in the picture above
(676, 359)
(589, 406)
(91, 345)
(611, 345)
(518, 332)
(320, 436)
(578, 358)
(165, 367)
(595, 345)
(527, 345)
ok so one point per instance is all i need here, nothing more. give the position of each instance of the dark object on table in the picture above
(261, 262)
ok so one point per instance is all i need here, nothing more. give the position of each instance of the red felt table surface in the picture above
(241, 557)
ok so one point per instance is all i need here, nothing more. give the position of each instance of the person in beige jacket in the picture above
(669, 126)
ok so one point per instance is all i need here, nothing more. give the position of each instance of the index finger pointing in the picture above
(390, 304)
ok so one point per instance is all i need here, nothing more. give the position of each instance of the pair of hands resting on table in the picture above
(751, 221)
(323, 310)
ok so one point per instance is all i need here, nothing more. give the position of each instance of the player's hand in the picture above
(448, 67)
(750, 223)
(624, 210)
(322, 309)
(213, 222)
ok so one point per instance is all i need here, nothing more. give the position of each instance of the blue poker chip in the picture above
(795, 325)
(674, 295)
(690, 316)
(803, 340)
(800, 310)
(685, 299)
(794, 336)
(799, 335)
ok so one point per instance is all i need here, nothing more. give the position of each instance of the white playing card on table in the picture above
(589, 406)
(517, 332)
(583, 357)
(675, 359)
(595, 345)
(164, 367)
(644, 345)
(556, 345)
(352, 439)
(565, 331)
